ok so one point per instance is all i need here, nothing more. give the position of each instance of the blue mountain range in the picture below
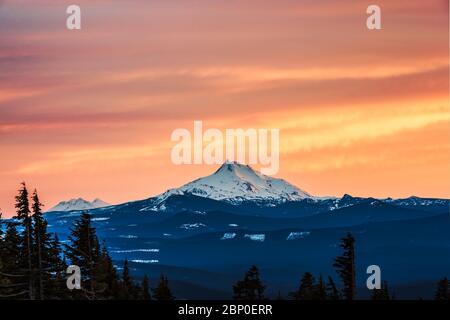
(205, 234)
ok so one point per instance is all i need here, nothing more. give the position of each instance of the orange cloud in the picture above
(360, 112)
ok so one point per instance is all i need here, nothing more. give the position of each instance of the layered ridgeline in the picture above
(208, 231)
(238, 188)
(237, 195)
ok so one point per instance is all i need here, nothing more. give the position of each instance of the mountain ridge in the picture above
(78, 204)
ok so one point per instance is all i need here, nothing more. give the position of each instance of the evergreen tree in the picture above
(146, 289)
(127, 288)
(162, 291)
(320, 290)
(4, 282)
(12, 277)
(306, 289)
(345, 267)
(11, 249)
(106, 276)
(41, 244)
(332, 291)
(443, 290)
(56, 266)
(30, 262)
(251, 288)
(23, 214)
(382, 293)
(83, 251)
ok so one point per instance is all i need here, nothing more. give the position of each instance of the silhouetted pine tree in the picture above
(56, 266)
(84, 252)
(128, 291)
(162, 291)
(28, 254)
(98, 272)
(306, 289)
(41, 247)
(251, 288)
(146, 289)
(13, 279)
(320, 290)
(4, 280)
(23, 214)
(382, 293)
(443, 290)
(11, 248)
(106, 276)
(345, 267)
(332, 291)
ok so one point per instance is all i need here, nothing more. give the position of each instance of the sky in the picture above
(89, 113)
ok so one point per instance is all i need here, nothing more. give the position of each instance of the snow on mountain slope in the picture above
(99, 203)
(78, 204)
(235, 182)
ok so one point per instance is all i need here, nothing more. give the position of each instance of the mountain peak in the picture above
(230, 166)
(79, 204)
(242, 171)
(236, 182)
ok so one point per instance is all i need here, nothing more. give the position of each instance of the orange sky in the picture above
(89, 113)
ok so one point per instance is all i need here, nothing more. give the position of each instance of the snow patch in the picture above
(101, 219)
(298, 235)
(189, 226)
(128, 236)
(256, 237)
(135, 250)
(145, 261)
(228, 235)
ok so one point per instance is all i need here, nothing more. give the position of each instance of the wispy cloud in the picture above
(98, 106)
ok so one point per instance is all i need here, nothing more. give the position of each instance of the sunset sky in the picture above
(89, 113)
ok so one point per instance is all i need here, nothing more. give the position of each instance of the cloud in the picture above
(101, 99)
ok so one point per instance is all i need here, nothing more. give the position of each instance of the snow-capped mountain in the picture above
(235, 182)
(79, 204)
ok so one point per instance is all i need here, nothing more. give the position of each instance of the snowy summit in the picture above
(79, 204)
(237, 182)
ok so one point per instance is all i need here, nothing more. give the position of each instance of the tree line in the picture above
(33, 265)
(33, 261)
(252, 288)
(310, 288)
